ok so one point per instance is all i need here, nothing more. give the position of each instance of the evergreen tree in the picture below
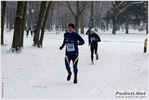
(123, 13)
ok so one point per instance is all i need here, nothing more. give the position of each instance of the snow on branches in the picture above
(120, 9)
(19, 16)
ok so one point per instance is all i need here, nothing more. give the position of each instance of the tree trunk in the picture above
(118, 26)
(92, 19)
(127, 19)
(51, 16)
(44, 23)
(82, 22)
(146, 17)
(114, 26)
(77, 24)
(77, 18)
(23, 24)
(7, 22)
(63, 21)
(13, 17)
(107, 24)
(2, 21)
(50, 20)
(10, 20)
(16, 46)
(39, 23)
(114, 20)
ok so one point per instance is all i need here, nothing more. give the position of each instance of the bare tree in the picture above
(44, 23)
(51, 15)
(82, 22)
(92, 18)
(127, 21)
(39, 23)
(23, 23)
(10, 14)
(79, 9)
(16, 44)
(146, 17)
(2, 21)
(94, 11)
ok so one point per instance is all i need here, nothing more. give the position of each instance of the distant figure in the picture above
(93, 43)
(96, 28)
(123, 28)
(32, 30)
(66, 29)
(104, 27)
(140, 28)
(57, 29)
(27, 30)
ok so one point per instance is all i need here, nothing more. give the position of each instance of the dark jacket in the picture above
(93, 39)
(88, 32)
(72, 41)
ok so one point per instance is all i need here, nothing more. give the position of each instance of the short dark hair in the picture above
(71, 25)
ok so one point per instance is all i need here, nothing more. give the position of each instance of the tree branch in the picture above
(70, 8)
(120, 4)
(124, 9)
(82, 7)
(113, 3)
(64, 4)
(87, 15)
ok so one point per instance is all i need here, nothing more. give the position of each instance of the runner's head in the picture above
(71, 28)
(92, 30)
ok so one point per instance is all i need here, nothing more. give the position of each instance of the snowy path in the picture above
(40, 73)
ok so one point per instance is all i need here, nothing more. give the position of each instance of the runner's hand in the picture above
(60, 48)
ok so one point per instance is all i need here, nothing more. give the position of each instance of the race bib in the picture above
(93, 39)
(70, 47)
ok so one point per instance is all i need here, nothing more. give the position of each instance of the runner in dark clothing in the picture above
(93, 42)
(88, 32)
(72, 40)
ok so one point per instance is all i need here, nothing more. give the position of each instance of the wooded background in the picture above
(84, 14)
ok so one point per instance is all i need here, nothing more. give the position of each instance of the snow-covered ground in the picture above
(40, 73)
